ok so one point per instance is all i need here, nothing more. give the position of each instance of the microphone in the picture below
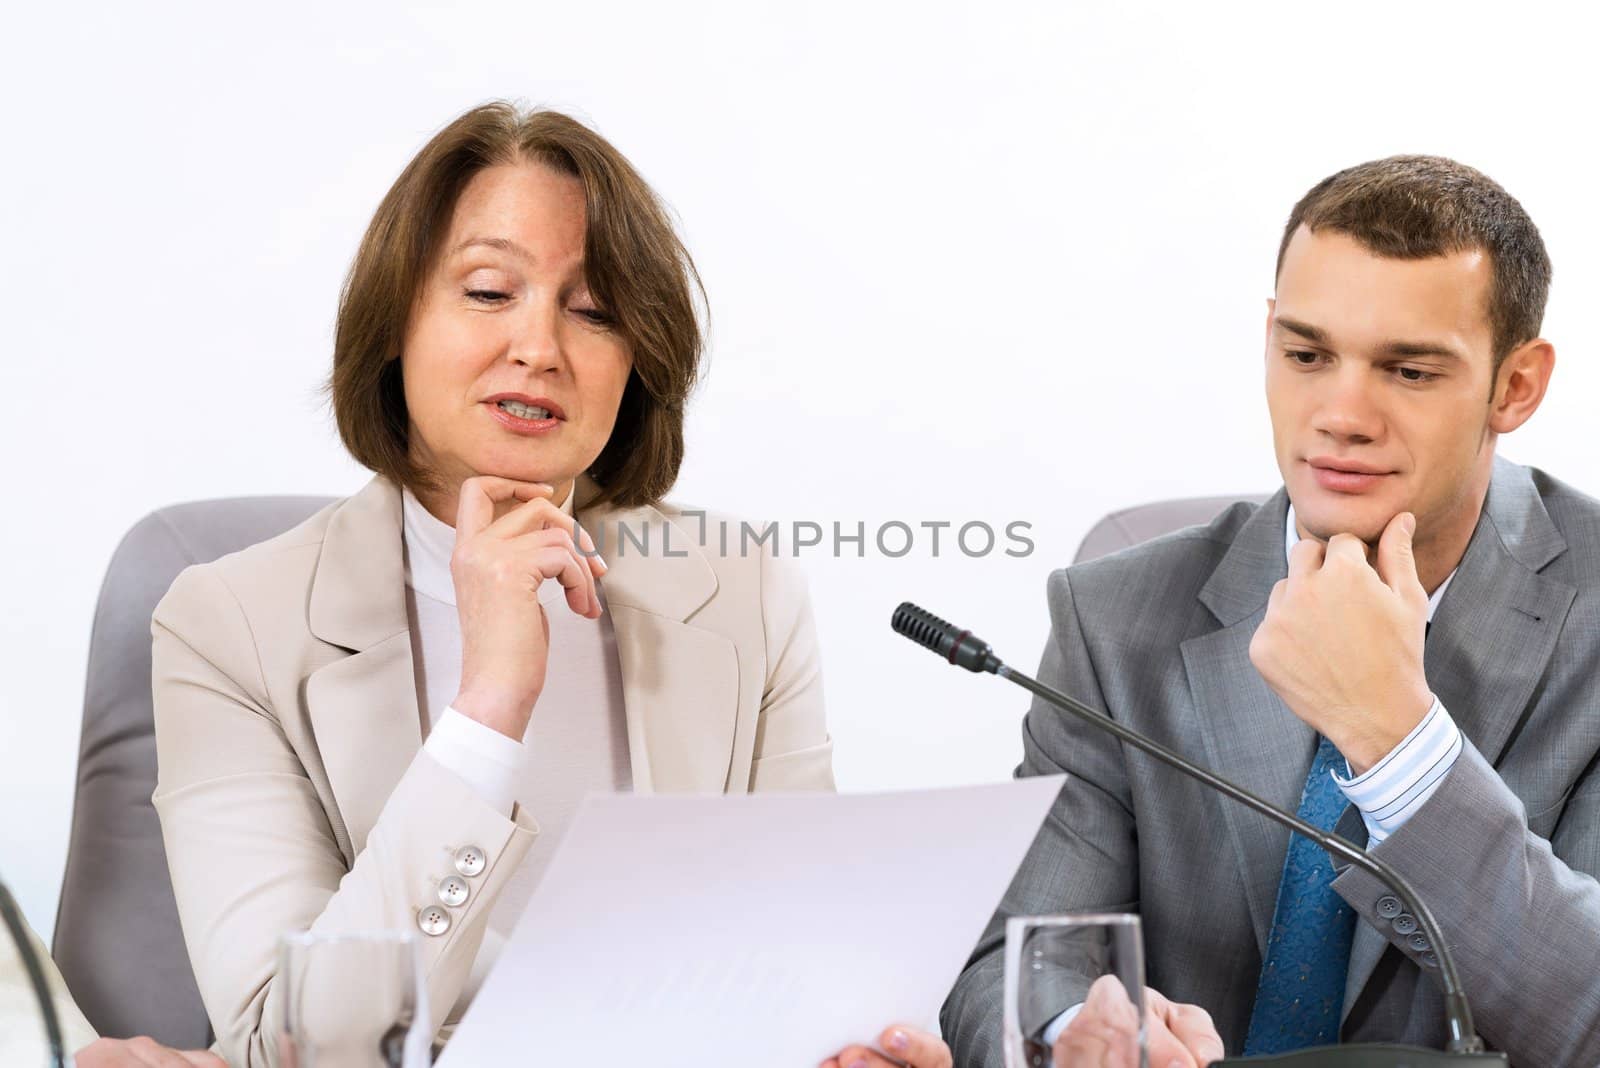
(964, 649)
(30, 963)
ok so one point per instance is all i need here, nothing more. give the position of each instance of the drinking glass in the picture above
(352, 1001)
(1050, 964)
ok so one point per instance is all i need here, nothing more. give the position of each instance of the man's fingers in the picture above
(479, 495)
(1305, 557)
(1397, 563)
(1192, 1025)
(1345, 547)
(917, 1048)
(1164, 1049)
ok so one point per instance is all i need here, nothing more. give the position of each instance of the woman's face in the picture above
(510, 366)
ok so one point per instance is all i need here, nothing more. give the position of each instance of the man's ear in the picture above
(1520, 385)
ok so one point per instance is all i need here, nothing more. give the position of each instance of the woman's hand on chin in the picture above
(903, 1045)
(497, 567)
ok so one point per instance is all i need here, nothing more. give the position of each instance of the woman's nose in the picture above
(536, 342)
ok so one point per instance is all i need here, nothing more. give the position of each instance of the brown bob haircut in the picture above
(636, 267)
(1417, 207)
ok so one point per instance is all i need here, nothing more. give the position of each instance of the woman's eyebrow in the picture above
(501, 243)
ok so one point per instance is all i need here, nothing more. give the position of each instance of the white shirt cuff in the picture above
(480, 756)
(1396, 786)
(1053, 1029)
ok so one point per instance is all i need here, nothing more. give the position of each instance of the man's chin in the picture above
(1322, 519)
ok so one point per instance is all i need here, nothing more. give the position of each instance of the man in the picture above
(22, 1036)
(1402, 643)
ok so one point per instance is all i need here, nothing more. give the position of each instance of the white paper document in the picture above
(764, 930)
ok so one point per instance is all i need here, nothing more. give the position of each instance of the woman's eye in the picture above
(595, 316)
(487, 296)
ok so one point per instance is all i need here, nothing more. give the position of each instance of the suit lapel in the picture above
(1252, 739)
(1491, 639)
(1250, 736)
(363, 707)
(1497, 624)
(680, 682)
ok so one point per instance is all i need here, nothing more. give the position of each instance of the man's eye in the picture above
(1303, 358)
(487, 296)
(1412, 374)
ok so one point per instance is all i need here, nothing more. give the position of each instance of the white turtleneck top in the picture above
(576, 742)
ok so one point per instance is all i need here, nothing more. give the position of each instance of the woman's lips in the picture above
(1340, 481)
(518, 425)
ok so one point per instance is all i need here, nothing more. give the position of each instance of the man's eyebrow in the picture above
(1318, 336)
(1422, 348)
(1314, 334)
(501, 243)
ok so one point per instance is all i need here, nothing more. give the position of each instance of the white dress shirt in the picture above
(576, 741)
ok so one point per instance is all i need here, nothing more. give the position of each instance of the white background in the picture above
(999, 262)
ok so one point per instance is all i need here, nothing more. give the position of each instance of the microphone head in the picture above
(957, 646)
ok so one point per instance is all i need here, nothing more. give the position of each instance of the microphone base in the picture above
(1366, 1056)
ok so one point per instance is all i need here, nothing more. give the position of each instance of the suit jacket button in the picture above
(1389, 907)
(1405, 923)
(470, 861)
(1418, 943)
(1431, 959)
(433, 920)
(453, 891)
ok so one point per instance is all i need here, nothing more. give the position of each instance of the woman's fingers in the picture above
(478, 496)
(533, 514)
(562, 564)
(907, 1046)
(862, 1057)
(917, 1048)
(204, 1059)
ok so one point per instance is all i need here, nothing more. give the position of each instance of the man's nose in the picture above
(1348, 411)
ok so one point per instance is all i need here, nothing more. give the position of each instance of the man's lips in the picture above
(1346, 476)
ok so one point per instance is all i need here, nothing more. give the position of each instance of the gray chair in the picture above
(1131, 526)
(117, 938)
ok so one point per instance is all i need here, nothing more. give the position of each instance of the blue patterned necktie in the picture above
(1301, 992)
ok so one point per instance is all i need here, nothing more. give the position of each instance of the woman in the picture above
(386, 716)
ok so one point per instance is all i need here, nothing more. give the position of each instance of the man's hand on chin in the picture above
(1342, 641)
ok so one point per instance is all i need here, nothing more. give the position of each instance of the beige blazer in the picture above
(292, 789)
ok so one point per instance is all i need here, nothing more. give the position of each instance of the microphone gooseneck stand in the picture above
(962, 649)
(30, 963)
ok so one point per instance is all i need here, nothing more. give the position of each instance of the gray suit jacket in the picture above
(1505, 852)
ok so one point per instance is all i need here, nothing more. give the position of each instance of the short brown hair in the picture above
(1415, 207)
(636, 267)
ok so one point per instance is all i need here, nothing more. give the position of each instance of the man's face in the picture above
(1378, 383)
